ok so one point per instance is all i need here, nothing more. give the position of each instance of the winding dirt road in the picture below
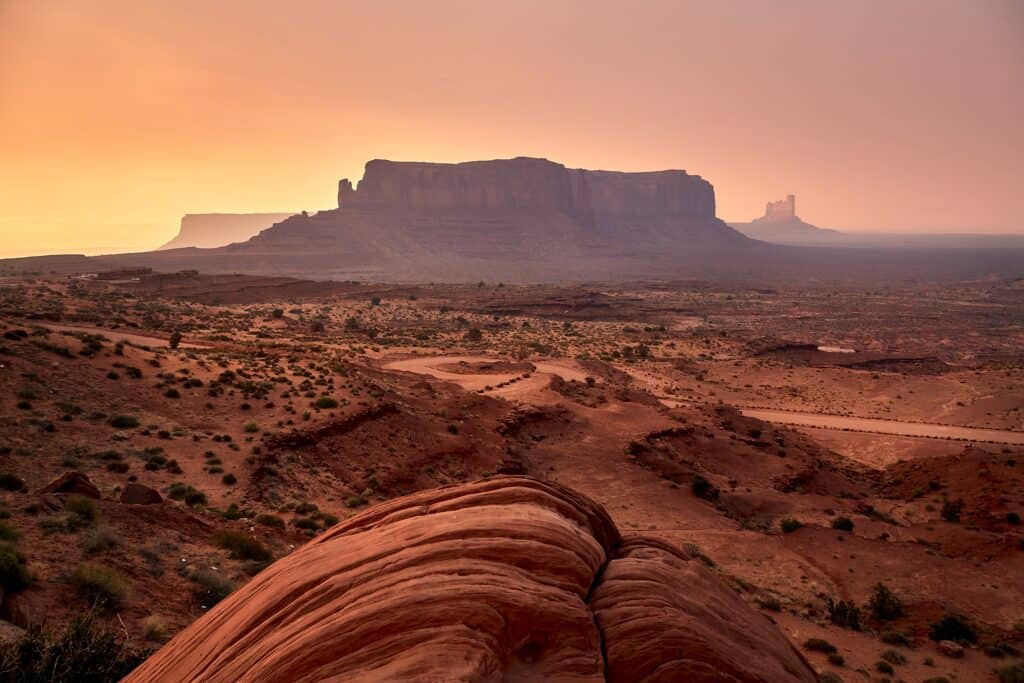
(532, 389)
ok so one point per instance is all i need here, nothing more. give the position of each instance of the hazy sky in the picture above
(118, 116)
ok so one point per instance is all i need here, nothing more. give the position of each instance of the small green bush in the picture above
(103, 587)
(242, 546)
(271, 521)
(123, 422)
(842, 524)
(212, 587)
(790, 525)
(325, 403)
(14, 574)
(83, 651)
(100, 539)
(84, 508)
(844, 613)
(819, 645)
(884, 604)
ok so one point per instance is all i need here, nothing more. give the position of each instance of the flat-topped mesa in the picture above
(525, 185)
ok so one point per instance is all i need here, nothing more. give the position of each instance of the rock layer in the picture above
(485, 581)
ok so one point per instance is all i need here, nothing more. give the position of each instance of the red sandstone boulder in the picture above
(487, 581)
(137, 494)
(72, 483)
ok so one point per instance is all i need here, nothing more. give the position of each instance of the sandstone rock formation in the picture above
(138, 494)
(209, 230)
(72, 483)
(504, 579)
(781, 225)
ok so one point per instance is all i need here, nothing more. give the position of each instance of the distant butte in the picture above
(533, 220)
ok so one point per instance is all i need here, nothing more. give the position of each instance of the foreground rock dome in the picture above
(507, 579)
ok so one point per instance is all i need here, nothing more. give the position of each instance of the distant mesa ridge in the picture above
(527, 184)
(210, 230)
(533, 220)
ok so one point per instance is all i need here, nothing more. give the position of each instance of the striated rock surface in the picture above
(668, 618)
(490, 581)
(209, 230)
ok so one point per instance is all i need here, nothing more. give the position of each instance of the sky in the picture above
(119, 116)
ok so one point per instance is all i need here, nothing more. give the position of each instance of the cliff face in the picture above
(209, 230)
(526, 184)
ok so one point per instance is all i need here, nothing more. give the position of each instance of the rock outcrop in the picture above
(527, 184)
(210, 230)
(504, 579)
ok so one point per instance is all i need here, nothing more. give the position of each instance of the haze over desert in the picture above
(678, 341)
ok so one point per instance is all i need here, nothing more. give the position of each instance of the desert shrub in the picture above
(306, 523)
(842, 524)
(154, 628)
(355, 501)
(14, 575)
(172, 393)
(251, 428)
(189, 494)
(884, 604)
(1014, 673)
(123, 422)
(100, 539)
(306, 508)
(953, 627)
(895, 638)
(951, 510)
(325, 403)
(836, 659)
(789, 525)
(819, 645)
(242, 546)
(211, 587)
(474, 335)
(103, 587)
(11, 482)
(229, 480)
(1012, 518)
(844, 613)
(8, 533)
(829, 677)
(118, 467)
(83, 651)
(884, 667)
(271, 521)
(702, 488)
(328, 519)
(84, 508)
(893, 657)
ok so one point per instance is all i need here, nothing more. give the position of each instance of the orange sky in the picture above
(118, 116)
